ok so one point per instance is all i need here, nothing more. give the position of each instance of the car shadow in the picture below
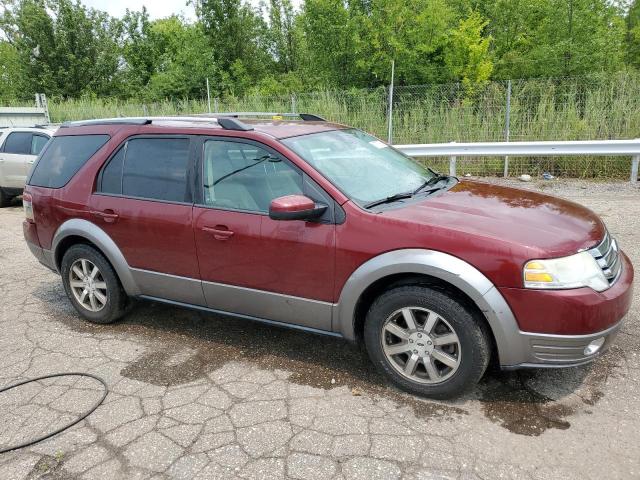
(185, 345)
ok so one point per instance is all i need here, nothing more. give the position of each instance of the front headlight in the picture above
(579, 270)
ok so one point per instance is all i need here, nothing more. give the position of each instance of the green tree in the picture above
(65, 48)
(283, 36)
(238, 38)
(183, 60)
(633, 34)
(331, 40)
(138, 52)
(550, 38)
(12, 76)
(411, 32)
(467, 55)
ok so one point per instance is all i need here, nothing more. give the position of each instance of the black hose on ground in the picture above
(61, 429)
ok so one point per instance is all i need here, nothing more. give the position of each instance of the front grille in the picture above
(608, 257)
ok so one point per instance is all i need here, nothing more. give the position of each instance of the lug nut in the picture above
(415, 351)
(419, 335)
(429, 343)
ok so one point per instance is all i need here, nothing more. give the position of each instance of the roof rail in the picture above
(228, 121)
(232, 123)
(307, 117)
(107, 121)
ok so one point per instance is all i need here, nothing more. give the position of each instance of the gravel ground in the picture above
(193, 395)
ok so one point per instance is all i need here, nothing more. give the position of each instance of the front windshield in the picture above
(361, 166)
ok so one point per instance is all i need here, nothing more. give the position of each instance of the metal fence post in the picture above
(635, 160)
(452, 165)
(293, 104)
(208, 97)
(390, 107)
(507, 126)
(215, 105)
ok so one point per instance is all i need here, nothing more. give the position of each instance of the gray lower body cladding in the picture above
(515, 348)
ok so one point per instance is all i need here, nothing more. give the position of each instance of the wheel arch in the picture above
(75, 231)
(421, 266)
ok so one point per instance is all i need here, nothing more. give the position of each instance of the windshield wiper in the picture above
(400, 196)
(391, 199)
(430, 182)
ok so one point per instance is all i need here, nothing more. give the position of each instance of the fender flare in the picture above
(97, 236)
(445, 267)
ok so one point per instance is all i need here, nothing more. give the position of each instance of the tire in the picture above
(5, 200)
(412, 357)
(109, 301)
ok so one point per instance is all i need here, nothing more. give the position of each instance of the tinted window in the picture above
(246, 177)
(156, 168)
(63, 157)
(38, 143)
(18, 142)
(112, 174)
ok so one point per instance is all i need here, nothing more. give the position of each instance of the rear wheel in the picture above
(426, 342)
(5, 200)
(92, 285)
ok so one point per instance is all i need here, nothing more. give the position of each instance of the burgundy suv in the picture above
(319, 226)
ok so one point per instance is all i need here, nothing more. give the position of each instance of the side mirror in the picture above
(295, 207)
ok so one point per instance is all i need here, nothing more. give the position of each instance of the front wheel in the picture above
(426, 342)
(92, 285)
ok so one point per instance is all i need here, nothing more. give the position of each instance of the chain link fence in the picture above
(581, 108)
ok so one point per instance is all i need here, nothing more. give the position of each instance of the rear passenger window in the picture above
(154, 168)
(63, 157)
(112, 174)
(19, 143)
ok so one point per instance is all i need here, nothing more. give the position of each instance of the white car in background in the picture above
(19, 147)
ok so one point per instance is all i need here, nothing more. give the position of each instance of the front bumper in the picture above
(556, 327)
(553, 351)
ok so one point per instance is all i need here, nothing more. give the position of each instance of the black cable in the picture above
(61, 429)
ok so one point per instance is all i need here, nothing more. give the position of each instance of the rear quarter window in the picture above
(63, 157)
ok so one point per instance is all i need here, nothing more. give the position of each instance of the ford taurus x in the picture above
(318, 226)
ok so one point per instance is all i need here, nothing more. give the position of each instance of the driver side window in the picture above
(243, 176)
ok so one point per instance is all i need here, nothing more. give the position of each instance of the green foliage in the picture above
(590, 107)
(331, 32)
(12, 74)
(414, 33)
(238, 41)
(545, 38)
(65, 49)
(633, 34)
(467, 54)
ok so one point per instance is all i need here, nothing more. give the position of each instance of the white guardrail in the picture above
(618, 148)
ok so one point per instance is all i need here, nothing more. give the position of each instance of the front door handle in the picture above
(219, 232)
(109, 216)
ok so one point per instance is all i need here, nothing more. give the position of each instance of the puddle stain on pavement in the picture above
(211, 341)
(510, 401)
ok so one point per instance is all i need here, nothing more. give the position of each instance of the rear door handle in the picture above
(219, 232)
(109, 216)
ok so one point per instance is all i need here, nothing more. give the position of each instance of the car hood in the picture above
(547, 226)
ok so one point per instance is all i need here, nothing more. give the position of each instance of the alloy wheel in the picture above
(421, 345)
(88, 285)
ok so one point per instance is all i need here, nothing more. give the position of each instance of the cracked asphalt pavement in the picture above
(196, 396)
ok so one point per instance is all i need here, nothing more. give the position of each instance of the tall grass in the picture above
(592, 107)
